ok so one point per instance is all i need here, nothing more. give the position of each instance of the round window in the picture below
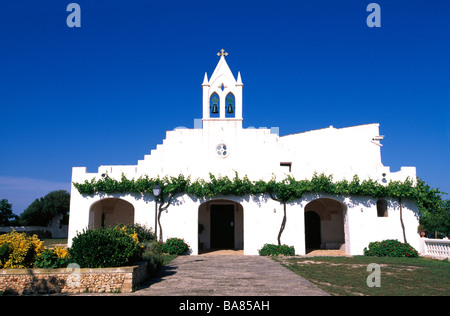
(222, 150)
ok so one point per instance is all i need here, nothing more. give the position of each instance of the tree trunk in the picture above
(161, 208)
(283, 224)
(401, 219)
(159, 224)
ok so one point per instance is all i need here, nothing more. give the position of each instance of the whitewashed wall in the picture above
(262, 218)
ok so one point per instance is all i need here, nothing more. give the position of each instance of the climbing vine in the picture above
(288, 189)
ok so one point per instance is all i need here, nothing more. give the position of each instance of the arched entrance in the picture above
(324, 224)
(110, 212)
(221, 225)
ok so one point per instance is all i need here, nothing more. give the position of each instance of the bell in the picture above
(230, 109)
(214, 109)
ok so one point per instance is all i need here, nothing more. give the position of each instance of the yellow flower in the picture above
(133, 235)
(22, 250)
(61, 252)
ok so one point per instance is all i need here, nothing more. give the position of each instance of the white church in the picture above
(221, 146)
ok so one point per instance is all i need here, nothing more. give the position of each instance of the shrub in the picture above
(390, 248)
(175, 246)
(153, 255)
(52, 258)
(105, 247)
(17, 250)
(142, 232)
(274, 250)
(5, 252)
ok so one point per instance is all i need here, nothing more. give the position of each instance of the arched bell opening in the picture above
(230, 105)
(214, 105)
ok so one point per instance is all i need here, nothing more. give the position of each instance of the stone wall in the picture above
(72, 280)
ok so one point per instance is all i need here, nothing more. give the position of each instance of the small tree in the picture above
(437, 221)
(6, 213)
(32, 216)
(56, 202)
(42, 210)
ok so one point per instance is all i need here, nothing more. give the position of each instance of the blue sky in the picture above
(107, 92)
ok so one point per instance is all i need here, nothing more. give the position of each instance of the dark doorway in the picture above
(222, 226)
(312, 230)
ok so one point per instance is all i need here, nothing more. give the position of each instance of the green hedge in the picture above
(390, 248)
(274, 250)
(105, 247)
(175, 246)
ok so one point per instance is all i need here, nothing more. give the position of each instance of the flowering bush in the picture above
(17, 250)
(175, 246)
(52, 258)
(390, 248)
(142, 232)
(274, 250)
(105, 247)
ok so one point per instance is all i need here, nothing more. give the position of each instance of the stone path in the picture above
(227, 275)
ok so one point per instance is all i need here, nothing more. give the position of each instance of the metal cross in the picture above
(222, 53)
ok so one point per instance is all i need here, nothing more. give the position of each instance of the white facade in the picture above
(222, 147)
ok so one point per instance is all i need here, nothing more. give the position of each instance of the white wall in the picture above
(366, 226)
(262, 218)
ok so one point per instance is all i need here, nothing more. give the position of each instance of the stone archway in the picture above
(110, 212)
(324, 218)
(221, 225)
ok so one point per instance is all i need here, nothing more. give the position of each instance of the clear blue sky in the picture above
(107, 92)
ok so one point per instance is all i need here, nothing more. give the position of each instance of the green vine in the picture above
(288, 189)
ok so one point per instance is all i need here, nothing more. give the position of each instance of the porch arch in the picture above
(324, 218)
(110, 212)
(221, 225)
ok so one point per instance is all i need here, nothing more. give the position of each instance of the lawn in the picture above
(398, 276)
(52, 242)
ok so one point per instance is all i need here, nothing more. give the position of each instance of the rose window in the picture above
(222, 150)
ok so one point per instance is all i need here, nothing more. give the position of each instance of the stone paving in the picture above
(227, 275)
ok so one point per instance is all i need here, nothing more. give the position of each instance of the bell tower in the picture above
(222, 95)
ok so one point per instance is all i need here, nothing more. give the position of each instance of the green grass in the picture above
(399, 276)
(51, 242)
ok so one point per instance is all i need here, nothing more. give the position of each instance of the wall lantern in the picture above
(156, 190)
(156, 193)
